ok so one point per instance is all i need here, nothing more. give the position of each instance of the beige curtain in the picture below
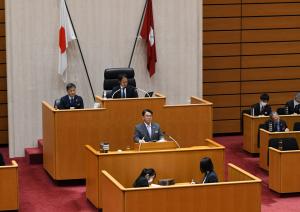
(106, 30)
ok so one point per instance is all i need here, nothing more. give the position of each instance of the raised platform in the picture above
(34, 155)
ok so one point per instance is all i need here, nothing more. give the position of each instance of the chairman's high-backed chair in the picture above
(111, 80)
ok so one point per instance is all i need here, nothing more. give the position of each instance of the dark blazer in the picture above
(266, 110)
(141, 182)
(142, 132)
(66, 104)
(130, 92)
(211, 177)
(282, 126)
(292, 108)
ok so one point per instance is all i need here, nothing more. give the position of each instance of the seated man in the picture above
(124, 90)
(147, 131)
(71, 100)
(207, 168)
(262, 108)
(275, 124)
(294, 105)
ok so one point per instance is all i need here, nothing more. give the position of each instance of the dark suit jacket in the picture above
(141, 182)
(211, 177)
(66, 104)
(142, 132)
(292, 108)
(282, 126)
(130, 92)
(267, 110)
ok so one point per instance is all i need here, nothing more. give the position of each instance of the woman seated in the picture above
(145, 179)
(207, 167)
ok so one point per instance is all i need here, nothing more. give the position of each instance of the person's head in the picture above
(71, 89)
(149, 174)
(147, 116)
(123, 80)
(264, 99)
(206, 165)
(274, 116)
(297, 97)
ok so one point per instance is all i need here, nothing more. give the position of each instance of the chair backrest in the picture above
(289, 143)
(281, 111)
(296, 126)
(111, 77)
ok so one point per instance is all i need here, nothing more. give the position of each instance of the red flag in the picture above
(147, 33)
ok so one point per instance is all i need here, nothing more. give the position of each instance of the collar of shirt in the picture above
(70, 97)
(295, 103)
(147, 125)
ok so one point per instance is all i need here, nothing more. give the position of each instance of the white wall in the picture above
(106, 30)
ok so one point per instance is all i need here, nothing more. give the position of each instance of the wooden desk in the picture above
(284, 171)
(9, 187)
(251, 124)
(183, 164)
(265, 136)
(65, 132)
(242, 192)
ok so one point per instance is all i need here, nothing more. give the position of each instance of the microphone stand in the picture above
(115, 93)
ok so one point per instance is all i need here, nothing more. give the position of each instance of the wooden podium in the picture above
(181, 164)
(149, 146)
(65, 132)
(242, 192)
(251, 124)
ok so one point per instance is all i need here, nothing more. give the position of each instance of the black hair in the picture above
(142, 181)
(121, 76)
(206, 165)
(264, 97)
(70, 85)
(147, 110)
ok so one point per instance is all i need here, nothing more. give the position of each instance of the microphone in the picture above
(115, 92)
(145, 92)
(172, 139)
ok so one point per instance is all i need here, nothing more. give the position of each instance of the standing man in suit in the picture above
(275, 124)
(147, 131)
(71, 100)
(294, 105)
(262, 108)
(124, 90)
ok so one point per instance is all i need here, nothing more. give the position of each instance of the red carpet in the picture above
(38, 193)
(271, 201)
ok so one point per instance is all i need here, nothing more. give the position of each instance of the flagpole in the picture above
(137, 34)
(85, 68)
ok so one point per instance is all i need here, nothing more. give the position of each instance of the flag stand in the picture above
(86, 71)
(137, 34)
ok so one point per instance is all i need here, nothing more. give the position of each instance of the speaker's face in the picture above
(147, 118)
(124, 82)
(72, 91)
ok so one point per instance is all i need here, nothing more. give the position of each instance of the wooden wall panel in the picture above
(270, 9)
(270, 73)
(222, 23)
(271, 48)
(280, 22)
(250, 47)
(3, 97)
(3, 110)
(221, 88)
(221, 62)
(270, 86)
(3, 81)
(232, 49)
(270, 60)
(224, 100)
(226, 126)
(270, 35)
(214, 11)
(221, 75)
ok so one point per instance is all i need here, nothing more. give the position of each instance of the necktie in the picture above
(122, 93)
(278, 127)
(72, 101)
